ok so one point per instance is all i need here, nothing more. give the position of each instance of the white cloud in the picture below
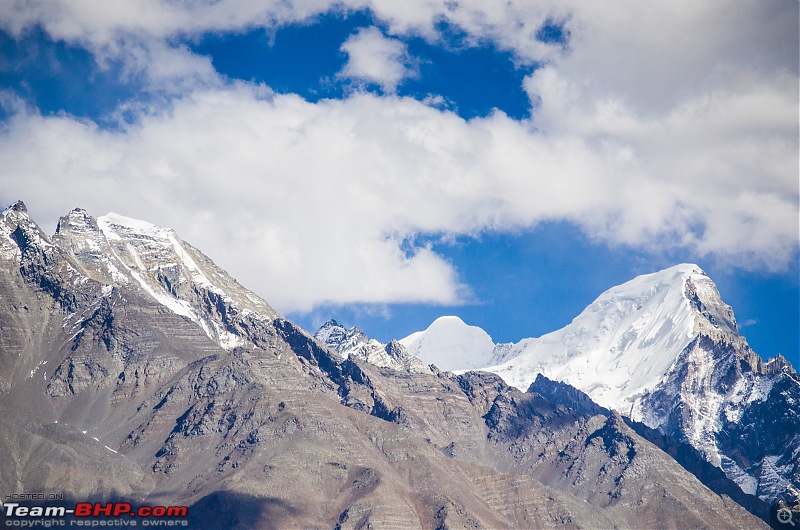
(311, 203)
(672, 124)
(373, 58)
(650, 55)
(111, 30)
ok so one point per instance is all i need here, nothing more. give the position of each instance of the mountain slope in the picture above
(665, 350)
(619, 347)
(353, 343)
(116, 391)
(155, 261)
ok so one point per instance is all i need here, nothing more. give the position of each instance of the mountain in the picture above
(665, 350)
(134, 369)
(353, 343)
(450, 342)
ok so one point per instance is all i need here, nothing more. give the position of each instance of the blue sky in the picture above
(387, 164)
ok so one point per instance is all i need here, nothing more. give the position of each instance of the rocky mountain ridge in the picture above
(354, 343)
(665, 350)
(112, 390)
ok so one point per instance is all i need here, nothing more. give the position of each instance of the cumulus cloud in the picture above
(656, 126)
(651, 56)
(231, 170)
(111, 31)
(373, 58)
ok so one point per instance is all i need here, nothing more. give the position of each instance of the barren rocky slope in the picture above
(662, 349)
(134, 368)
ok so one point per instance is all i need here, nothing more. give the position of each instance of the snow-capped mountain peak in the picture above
(112, 223)
(354, 343)
(662, 349)
(116, 250)
(451, 344)
(338, 338)
(623, 343)
(16, 224)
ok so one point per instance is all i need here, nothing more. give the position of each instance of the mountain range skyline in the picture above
(662, 349)
(387, 166)
(310, 321)
(127, 352)
(550, 249)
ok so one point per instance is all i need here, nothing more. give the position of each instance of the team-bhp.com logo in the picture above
(93, 514)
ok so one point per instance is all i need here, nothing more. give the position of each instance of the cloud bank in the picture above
(655, 126)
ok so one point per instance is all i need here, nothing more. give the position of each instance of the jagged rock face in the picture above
(354, 343)
(120, 378)
(686, 455)
(739, 412)
(665, 350)
(764, 441)
(156, 262)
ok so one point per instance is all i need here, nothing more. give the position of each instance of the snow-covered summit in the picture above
(346, 342)
(619, 347)
(333, 335)
(8, 247)
(663, 349)
(115, 250)
(451, 344)
(623, 344)
(17, 228)
(112, 223)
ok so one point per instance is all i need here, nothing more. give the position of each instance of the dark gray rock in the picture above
(168, 383)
